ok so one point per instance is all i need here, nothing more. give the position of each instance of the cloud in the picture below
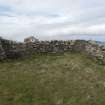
(48, 18)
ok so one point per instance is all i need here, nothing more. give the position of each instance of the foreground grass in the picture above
(66, 79)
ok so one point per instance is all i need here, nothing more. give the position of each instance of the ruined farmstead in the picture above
(11, 49)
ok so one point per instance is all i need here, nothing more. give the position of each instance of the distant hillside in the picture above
(100, 43)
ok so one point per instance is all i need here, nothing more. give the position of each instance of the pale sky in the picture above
(52, 19)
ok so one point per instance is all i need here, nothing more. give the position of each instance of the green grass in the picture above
(48, 79)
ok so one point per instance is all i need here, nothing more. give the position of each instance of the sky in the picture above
(52, 19)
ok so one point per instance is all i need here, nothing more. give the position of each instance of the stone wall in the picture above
(50, 46)
(91, 48)
(11, 49)
(96, 52)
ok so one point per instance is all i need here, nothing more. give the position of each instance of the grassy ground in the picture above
(66, 79)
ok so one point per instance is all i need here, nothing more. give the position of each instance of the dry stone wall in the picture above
(91, 48)
(11, 49)
(96, 52)
(50, 46)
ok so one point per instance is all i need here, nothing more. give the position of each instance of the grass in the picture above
(52, 79)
